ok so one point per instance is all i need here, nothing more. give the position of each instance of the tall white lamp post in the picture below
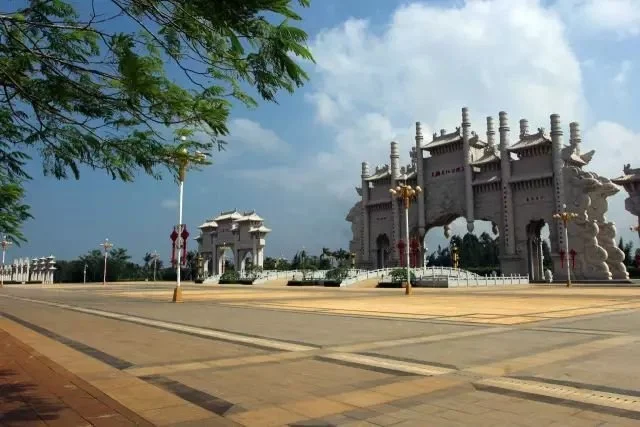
(183, 159)
(155, 263)
(407, 194)
(84, 274)
(566, 216)
(5, 244)
(106, 245)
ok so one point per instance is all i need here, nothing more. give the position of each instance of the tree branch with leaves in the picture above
(82, 92)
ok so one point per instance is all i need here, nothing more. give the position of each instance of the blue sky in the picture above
(381, 66)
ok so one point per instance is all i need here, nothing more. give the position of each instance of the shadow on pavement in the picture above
(20, 402)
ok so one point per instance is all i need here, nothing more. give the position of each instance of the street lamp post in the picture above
(155, 263)
(5, 244)
(183, 159)
(106, 245)
(566, 216)
(407, 194)
(455, 256)
(84, 274)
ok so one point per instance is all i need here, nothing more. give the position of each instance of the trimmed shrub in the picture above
(400, 275)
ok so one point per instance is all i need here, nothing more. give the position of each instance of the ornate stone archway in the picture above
(241, 232)
(508, 184)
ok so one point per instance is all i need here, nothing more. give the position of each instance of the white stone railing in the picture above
(480, 281)
(267, 275)
(453, 277)
(420, 273)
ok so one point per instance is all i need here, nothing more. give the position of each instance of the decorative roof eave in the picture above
(488, 157)
(261, 229)
(211, 224)
(476, 142)
(528, 141)
(445, 139)
(575, 160)
(407, 176)
(229, 215)
(380, 175)
(625, 179)
(250, 217)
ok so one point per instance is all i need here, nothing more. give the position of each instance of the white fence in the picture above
(420, 273)
(485, 281)
(268, 275)
(441, 276)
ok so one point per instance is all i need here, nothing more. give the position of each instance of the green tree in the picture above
(86, 83)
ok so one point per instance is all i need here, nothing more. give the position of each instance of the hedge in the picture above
(236, 281)
(317, 282)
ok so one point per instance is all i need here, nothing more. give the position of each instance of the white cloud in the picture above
(620, 17)
(623, 73)
(370, 86)
(169, 203)
(429, 61)
(618, 146)
(251, 135)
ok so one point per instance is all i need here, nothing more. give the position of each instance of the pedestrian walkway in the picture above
(35, 391)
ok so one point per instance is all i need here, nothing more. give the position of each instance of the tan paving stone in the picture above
(362, 398)
(318, 407)
(174, 414)
(270, 416)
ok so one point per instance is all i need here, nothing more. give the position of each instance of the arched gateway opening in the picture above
(383, 248)
(537, 246)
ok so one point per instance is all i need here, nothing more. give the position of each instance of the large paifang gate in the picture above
(517, 186)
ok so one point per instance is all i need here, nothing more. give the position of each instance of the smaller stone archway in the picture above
(535, 255)
(246, 258)
(383, 251)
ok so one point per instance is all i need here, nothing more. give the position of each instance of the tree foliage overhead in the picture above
(109, 84)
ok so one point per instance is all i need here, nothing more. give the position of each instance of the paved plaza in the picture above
(266, 356)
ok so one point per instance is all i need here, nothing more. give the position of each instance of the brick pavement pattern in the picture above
(35, 391)
(259, 357)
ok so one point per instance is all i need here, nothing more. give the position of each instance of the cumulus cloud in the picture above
(252, 135)
(371, 84)
(619, 17)
(369, 87)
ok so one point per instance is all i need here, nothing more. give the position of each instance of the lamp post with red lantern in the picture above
(182, 158)
(566, 216)
(407, 194)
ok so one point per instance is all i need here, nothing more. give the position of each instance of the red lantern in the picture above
(401, 247)
(184, 235)
(573, 258)
(173, 236)
(415, 249)
(562, 258)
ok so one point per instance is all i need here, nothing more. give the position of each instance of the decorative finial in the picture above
(556, 127)
(394, 149)
(491, 133)
(465, 117)
(443, 132)
(574, 134)
(504, 120)
(524, 127)
(365, 169)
